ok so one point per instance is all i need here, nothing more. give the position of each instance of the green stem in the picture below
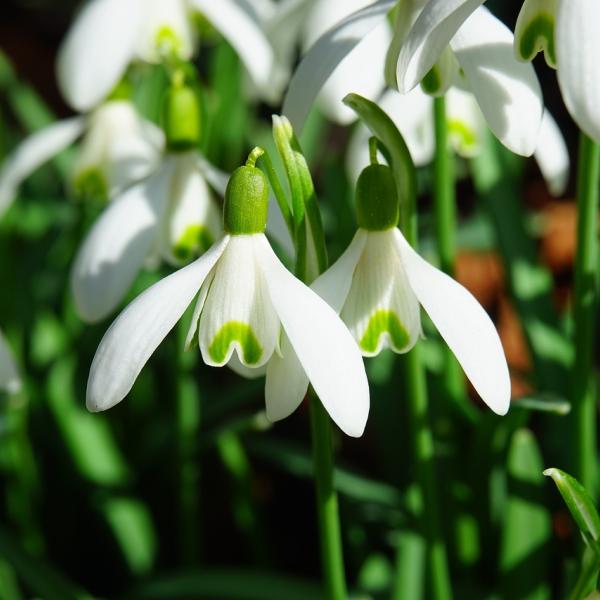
(583, 414)
(587, 576)
(327, 505)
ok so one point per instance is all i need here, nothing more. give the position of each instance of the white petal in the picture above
(534, 30)
(9, 376)
(380, 310)
(322, 59)
(507, 91)
(34, 152)
(238, 314)
(115, 249)
(578, 55)
(140, 328)
(552, 156)
(192, 334)
(466, 124)
(325, 349)
(239, 27)
(216, 178)
(97, 50)
(334, 284)
(286, 383)
(235, 364)
(464, 325)
(431, 33)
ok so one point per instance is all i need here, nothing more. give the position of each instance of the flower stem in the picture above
(583, 414)
(327, 505)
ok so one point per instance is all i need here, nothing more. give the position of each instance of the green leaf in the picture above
(580, 505)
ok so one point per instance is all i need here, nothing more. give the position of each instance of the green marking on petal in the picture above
(537, 36)
(168, 42)
(432, 82)
(466, 136)
(236, 331)
(194, 241)
(384, 321)
(90, 184)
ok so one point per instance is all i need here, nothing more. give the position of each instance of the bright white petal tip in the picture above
(552, 156)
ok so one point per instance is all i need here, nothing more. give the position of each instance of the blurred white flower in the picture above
(9, 376)
(108, 35)
(118, 147)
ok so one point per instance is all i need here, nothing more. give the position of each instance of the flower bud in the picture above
(377, 206)
(246, 202)
(181, 118)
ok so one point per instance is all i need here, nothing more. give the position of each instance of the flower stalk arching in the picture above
(419, 428)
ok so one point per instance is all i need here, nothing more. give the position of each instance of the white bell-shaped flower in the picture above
(251, 312)
(118, 147)
(379, 282)
(90, 65)
(567, 32)
(9, 376)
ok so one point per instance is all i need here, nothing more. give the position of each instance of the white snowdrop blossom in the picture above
(379, 282)
(442, 43)
(9, 376)
(169, 215)
(567, 32)
(250, 313)
(108, 35)
(117, 148)
(412, 113)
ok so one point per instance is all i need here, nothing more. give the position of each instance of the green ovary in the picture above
(236, 331)
(384, 321)
(538, 35)
(194, 241)
(90, 184)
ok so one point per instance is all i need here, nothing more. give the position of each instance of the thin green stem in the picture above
(590, 566)
(327, 504)
(583, 400)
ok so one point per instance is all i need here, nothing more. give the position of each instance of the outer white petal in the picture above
(140, 328)
(327, 53)
(464, 325)
(578, 55)
(552, 156)
(216, 178)
(239, 27)
(507, 91)
(9, 376)
(115, 249)
(97, 50)
(334, 284)
(325, 349)
(238, 315)
(431, 33)
(34, 152)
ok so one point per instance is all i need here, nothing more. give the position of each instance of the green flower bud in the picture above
(246, 201)
(181, 118)
(377, 206)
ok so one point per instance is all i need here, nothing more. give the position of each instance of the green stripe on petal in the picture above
(381, 323)
(463, 136)
(538, 35)
(91, 184)
(236, 331)
(194, 241)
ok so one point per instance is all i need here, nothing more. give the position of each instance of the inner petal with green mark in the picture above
(168, 42)
(236, 332)
(384, 323)
(195, 240)
(464, 138)
(537, 36)
(90, 184)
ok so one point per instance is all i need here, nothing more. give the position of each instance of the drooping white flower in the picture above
(379, 282)
(118, 147)
(250, 311)
(447, 44)
(412, 113)
(567, 32)
(9, 375)
(90, 64)
(170, 215)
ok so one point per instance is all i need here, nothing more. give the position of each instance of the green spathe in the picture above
(246, 202)
(377, 206)
(181, 118)
(236, 331)
(384, 322)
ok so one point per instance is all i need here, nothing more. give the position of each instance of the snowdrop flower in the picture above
(448, 43)
(412, 114)
(251, 311)
(567, 33)
(117, 148)
(379, 282)
(9, 376)
(90, 66)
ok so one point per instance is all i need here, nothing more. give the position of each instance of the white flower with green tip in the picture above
(90, 64)
(9, 376)
(566, 31)
(379, 282)
(117, 148)
(250, 312)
